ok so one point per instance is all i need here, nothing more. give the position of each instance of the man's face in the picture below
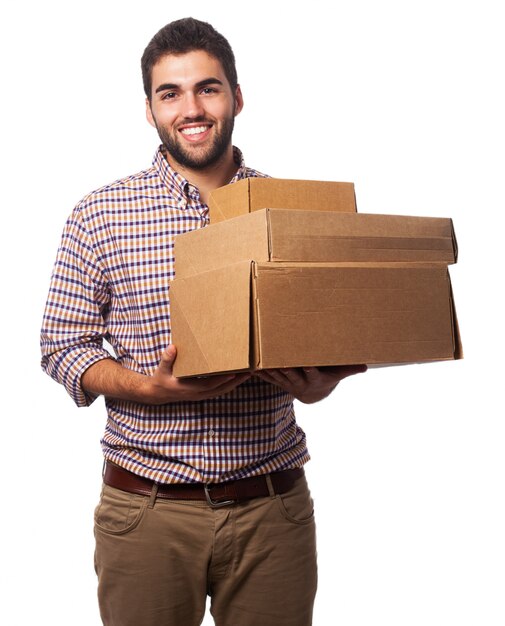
(193, 108)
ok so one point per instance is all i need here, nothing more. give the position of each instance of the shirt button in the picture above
(211, 432)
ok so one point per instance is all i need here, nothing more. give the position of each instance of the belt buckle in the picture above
(214, 503)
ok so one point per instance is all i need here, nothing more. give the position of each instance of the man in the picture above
(204, 491)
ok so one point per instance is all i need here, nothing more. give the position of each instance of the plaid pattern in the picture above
(111, 281)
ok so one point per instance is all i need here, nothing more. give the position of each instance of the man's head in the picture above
(184, 36)
(192, 95)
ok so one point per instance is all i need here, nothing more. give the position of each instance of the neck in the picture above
(210, 178)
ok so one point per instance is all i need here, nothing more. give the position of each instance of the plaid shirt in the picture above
(111, 281)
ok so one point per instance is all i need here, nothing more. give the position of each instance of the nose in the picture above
(192, 107)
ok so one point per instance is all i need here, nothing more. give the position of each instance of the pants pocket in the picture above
(119, 512)
(297, 506)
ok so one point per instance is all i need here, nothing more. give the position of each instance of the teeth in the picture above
(194, 130)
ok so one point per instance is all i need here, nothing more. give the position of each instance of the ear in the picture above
(149, 114)
(239, 100)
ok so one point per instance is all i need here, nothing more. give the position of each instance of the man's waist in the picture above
(216, 494)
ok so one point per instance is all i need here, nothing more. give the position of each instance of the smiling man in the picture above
(204, 491)
(203, 112)
(193, 107)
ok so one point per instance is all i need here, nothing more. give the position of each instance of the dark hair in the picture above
(183, 36)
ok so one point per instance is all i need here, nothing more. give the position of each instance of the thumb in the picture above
(167, 359)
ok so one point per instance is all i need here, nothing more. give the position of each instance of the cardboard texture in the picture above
(253, 194)
(253, 315)
(289, 275)
(214, 339)
(316, 237)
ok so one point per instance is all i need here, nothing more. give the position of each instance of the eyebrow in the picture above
(200, 83)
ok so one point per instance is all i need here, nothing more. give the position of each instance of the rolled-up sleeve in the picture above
(74, 323)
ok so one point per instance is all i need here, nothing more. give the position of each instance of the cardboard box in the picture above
(252, 315)
(315, 237)
(253, 194)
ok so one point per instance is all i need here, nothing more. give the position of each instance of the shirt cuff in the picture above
(74, 365)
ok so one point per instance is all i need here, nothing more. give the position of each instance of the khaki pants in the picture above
(157, 560)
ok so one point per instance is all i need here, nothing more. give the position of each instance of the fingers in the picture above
(301, 380)
(293, 380)
(292, 376)
(350, 370)
(210, 387)
(227, 386)
(212, 382)
(343, 371)
(275, 377)
(167, 360)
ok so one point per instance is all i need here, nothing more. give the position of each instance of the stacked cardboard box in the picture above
(310, 282)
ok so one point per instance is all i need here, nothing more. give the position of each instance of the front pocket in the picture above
(296, 505)
(119, 512)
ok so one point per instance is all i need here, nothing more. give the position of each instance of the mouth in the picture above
(196, 132)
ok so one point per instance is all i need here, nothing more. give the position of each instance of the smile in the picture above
(194, 130)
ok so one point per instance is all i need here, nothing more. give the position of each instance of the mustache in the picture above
(195, 120)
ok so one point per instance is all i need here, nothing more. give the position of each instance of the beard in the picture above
(198, 157)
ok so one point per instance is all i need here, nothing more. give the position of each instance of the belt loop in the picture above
(270, 486)
(152, 498)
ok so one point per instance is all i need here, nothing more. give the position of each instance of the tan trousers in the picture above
(157, 560)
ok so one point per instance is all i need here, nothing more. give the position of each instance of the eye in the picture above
(208, 90)
(169, 95)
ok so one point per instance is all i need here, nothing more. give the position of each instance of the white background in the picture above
(402, 98)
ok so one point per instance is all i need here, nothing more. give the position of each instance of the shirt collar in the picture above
(241, 172)
(178, 185)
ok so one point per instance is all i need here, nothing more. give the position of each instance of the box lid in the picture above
(282, 235)
(253, 194)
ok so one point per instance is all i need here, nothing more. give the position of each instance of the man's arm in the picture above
(310, 384)
(109, 378)
(74, 327)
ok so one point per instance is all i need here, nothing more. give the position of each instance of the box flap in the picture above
(229, 201)
(225, 243)
(210, 317)
(454, 243)
(335, 237)
(458, 346)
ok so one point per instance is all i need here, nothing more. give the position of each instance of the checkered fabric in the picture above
(111, 281)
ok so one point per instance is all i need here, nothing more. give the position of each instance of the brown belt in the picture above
(216, 494)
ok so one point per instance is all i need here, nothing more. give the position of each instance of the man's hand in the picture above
(109, 378)
(310, 384)
(165, 387)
